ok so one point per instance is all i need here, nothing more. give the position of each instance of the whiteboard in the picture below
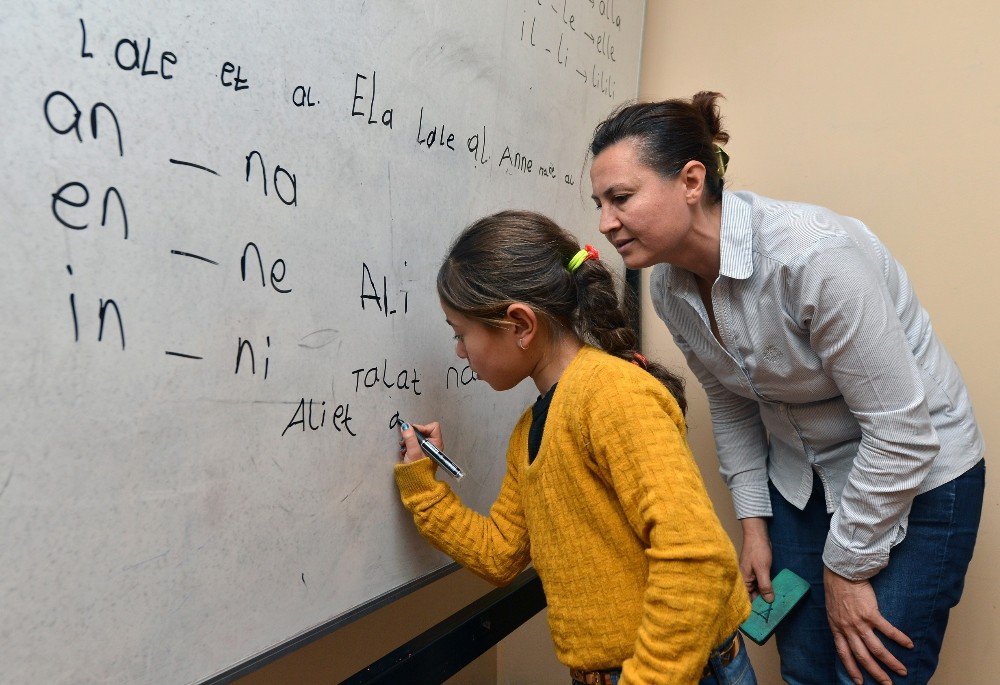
(221, 224)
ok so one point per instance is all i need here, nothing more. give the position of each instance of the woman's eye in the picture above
(621, 198)
(457, 338)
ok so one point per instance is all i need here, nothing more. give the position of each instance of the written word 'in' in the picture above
(372, 376)
(279, 172)
(355, 112)
(58, 104)
(103, 307)
(340, 417)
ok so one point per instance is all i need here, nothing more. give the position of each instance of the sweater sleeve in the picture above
(637, 434)
(495, 547)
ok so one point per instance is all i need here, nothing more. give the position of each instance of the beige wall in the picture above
(890, 112)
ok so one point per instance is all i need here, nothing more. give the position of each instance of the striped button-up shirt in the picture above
(827, 366)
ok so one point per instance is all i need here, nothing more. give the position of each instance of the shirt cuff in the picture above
(751, 501)
(416, 477)
(850, 564)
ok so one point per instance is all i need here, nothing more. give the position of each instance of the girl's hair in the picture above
(517, 256)
(670, 134)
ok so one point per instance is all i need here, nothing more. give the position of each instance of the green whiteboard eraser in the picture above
(789, 589)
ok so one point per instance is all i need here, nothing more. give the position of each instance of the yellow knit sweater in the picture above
(636, 568)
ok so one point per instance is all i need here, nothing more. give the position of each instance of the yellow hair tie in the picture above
(588, 252)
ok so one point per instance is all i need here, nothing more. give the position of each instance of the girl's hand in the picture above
(409, 448)
(755, 559)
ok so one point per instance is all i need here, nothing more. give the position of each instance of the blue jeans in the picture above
(739, 671)
(915, 592)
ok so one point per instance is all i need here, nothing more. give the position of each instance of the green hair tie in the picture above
(723, 160)
(588, 252)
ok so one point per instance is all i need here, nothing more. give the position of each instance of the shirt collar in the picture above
(736, 237)
(735, 246)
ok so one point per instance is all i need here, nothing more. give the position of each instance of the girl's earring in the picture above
(520, 343)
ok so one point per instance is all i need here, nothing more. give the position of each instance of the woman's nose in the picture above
(609, 221)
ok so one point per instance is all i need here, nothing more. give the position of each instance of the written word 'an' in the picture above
(58, 105)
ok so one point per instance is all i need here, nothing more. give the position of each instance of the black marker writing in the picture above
(277, 170)
(131, 58)
(52, 102)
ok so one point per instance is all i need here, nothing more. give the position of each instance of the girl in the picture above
(601, 492)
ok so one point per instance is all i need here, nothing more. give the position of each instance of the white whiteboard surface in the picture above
(168, 505)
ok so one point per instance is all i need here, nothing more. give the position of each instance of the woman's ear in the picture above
(524, 323)
(693, 178)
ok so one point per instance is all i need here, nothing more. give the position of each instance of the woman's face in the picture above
(644, 215)
(492, 352)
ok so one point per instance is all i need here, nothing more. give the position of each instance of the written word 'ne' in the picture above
(276, 277)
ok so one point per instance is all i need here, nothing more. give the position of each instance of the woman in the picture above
(844, 430)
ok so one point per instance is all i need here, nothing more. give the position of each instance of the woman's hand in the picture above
(409, 448)
(854, 617)
(755, 558)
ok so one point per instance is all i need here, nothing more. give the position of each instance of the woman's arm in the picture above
(494, 547)
(740, 440)
(855, 330)
(853, 327)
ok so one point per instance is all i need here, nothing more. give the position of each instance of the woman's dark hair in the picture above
(670, 134)
(517, 256)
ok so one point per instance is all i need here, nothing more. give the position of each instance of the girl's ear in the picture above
(524, 323)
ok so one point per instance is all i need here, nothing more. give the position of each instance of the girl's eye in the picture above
(620, 198)
(457, 338)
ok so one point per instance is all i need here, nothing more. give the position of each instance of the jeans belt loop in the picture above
(726, 655)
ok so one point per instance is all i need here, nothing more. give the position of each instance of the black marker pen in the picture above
(434, 453)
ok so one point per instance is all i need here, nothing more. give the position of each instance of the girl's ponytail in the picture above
(602, 320)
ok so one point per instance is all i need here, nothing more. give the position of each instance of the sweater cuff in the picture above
(751, 500)
(851, 564)
(415, 477)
